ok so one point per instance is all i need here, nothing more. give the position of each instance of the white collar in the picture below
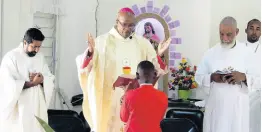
(247, 42)
(146, 84)
(257, 44)
(21, 47)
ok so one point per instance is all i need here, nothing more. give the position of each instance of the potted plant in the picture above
(183, 79)
(45, 126)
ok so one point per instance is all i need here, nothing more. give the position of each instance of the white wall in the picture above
(77, 21)
(193, 31)
(16, 18)
(10, 24)
(199, 27)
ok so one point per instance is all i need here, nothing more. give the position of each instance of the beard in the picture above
(31, 54)
(252, 39)
(147, 31)
(228, 45)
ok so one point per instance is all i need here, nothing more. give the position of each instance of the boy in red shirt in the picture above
(143, 108)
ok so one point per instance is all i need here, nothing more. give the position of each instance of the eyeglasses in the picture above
(124, 25)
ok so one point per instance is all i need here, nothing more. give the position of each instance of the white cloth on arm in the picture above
(227, 106)
(255, 94)
(91, 91)
(20, 106)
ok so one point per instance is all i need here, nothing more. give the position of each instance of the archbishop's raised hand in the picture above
(163, 46)
(91, 43)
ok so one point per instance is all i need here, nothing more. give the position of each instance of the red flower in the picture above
(187, 68)
(173, 70)
(195, 68)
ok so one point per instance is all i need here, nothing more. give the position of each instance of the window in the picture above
(47, 24)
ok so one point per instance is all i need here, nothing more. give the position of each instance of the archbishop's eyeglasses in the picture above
(125, 25)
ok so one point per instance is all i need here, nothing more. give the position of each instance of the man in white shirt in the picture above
(253, 32)
(26, 86)
(227, 106)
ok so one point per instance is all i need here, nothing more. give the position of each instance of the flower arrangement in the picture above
(183, 78)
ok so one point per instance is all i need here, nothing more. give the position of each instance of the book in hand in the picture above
(123, 80)
(223, 72)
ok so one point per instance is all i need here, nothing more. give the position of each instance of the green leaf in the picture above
(46, 127)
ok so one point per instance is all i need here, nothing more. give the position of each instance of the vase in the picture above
(172, 94)
(184, 94)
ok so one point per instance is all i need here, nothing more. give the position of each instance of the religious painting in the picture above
(152, 30)
(156, 25)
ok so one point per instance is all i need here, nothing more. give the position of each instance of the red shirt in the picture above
(143, 109)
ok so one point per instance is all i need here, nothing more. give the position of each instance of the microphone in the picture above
(131, 36)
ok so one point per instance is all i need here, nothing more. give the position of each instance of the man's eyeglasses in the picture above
(124, 25)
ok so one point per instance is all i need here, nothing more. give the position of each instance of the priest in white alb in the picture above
(225, 70)
(105, 59)
(253, 32)
(26, 86)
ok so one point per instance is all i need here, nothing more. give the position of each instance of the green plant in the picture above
(46, 127)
